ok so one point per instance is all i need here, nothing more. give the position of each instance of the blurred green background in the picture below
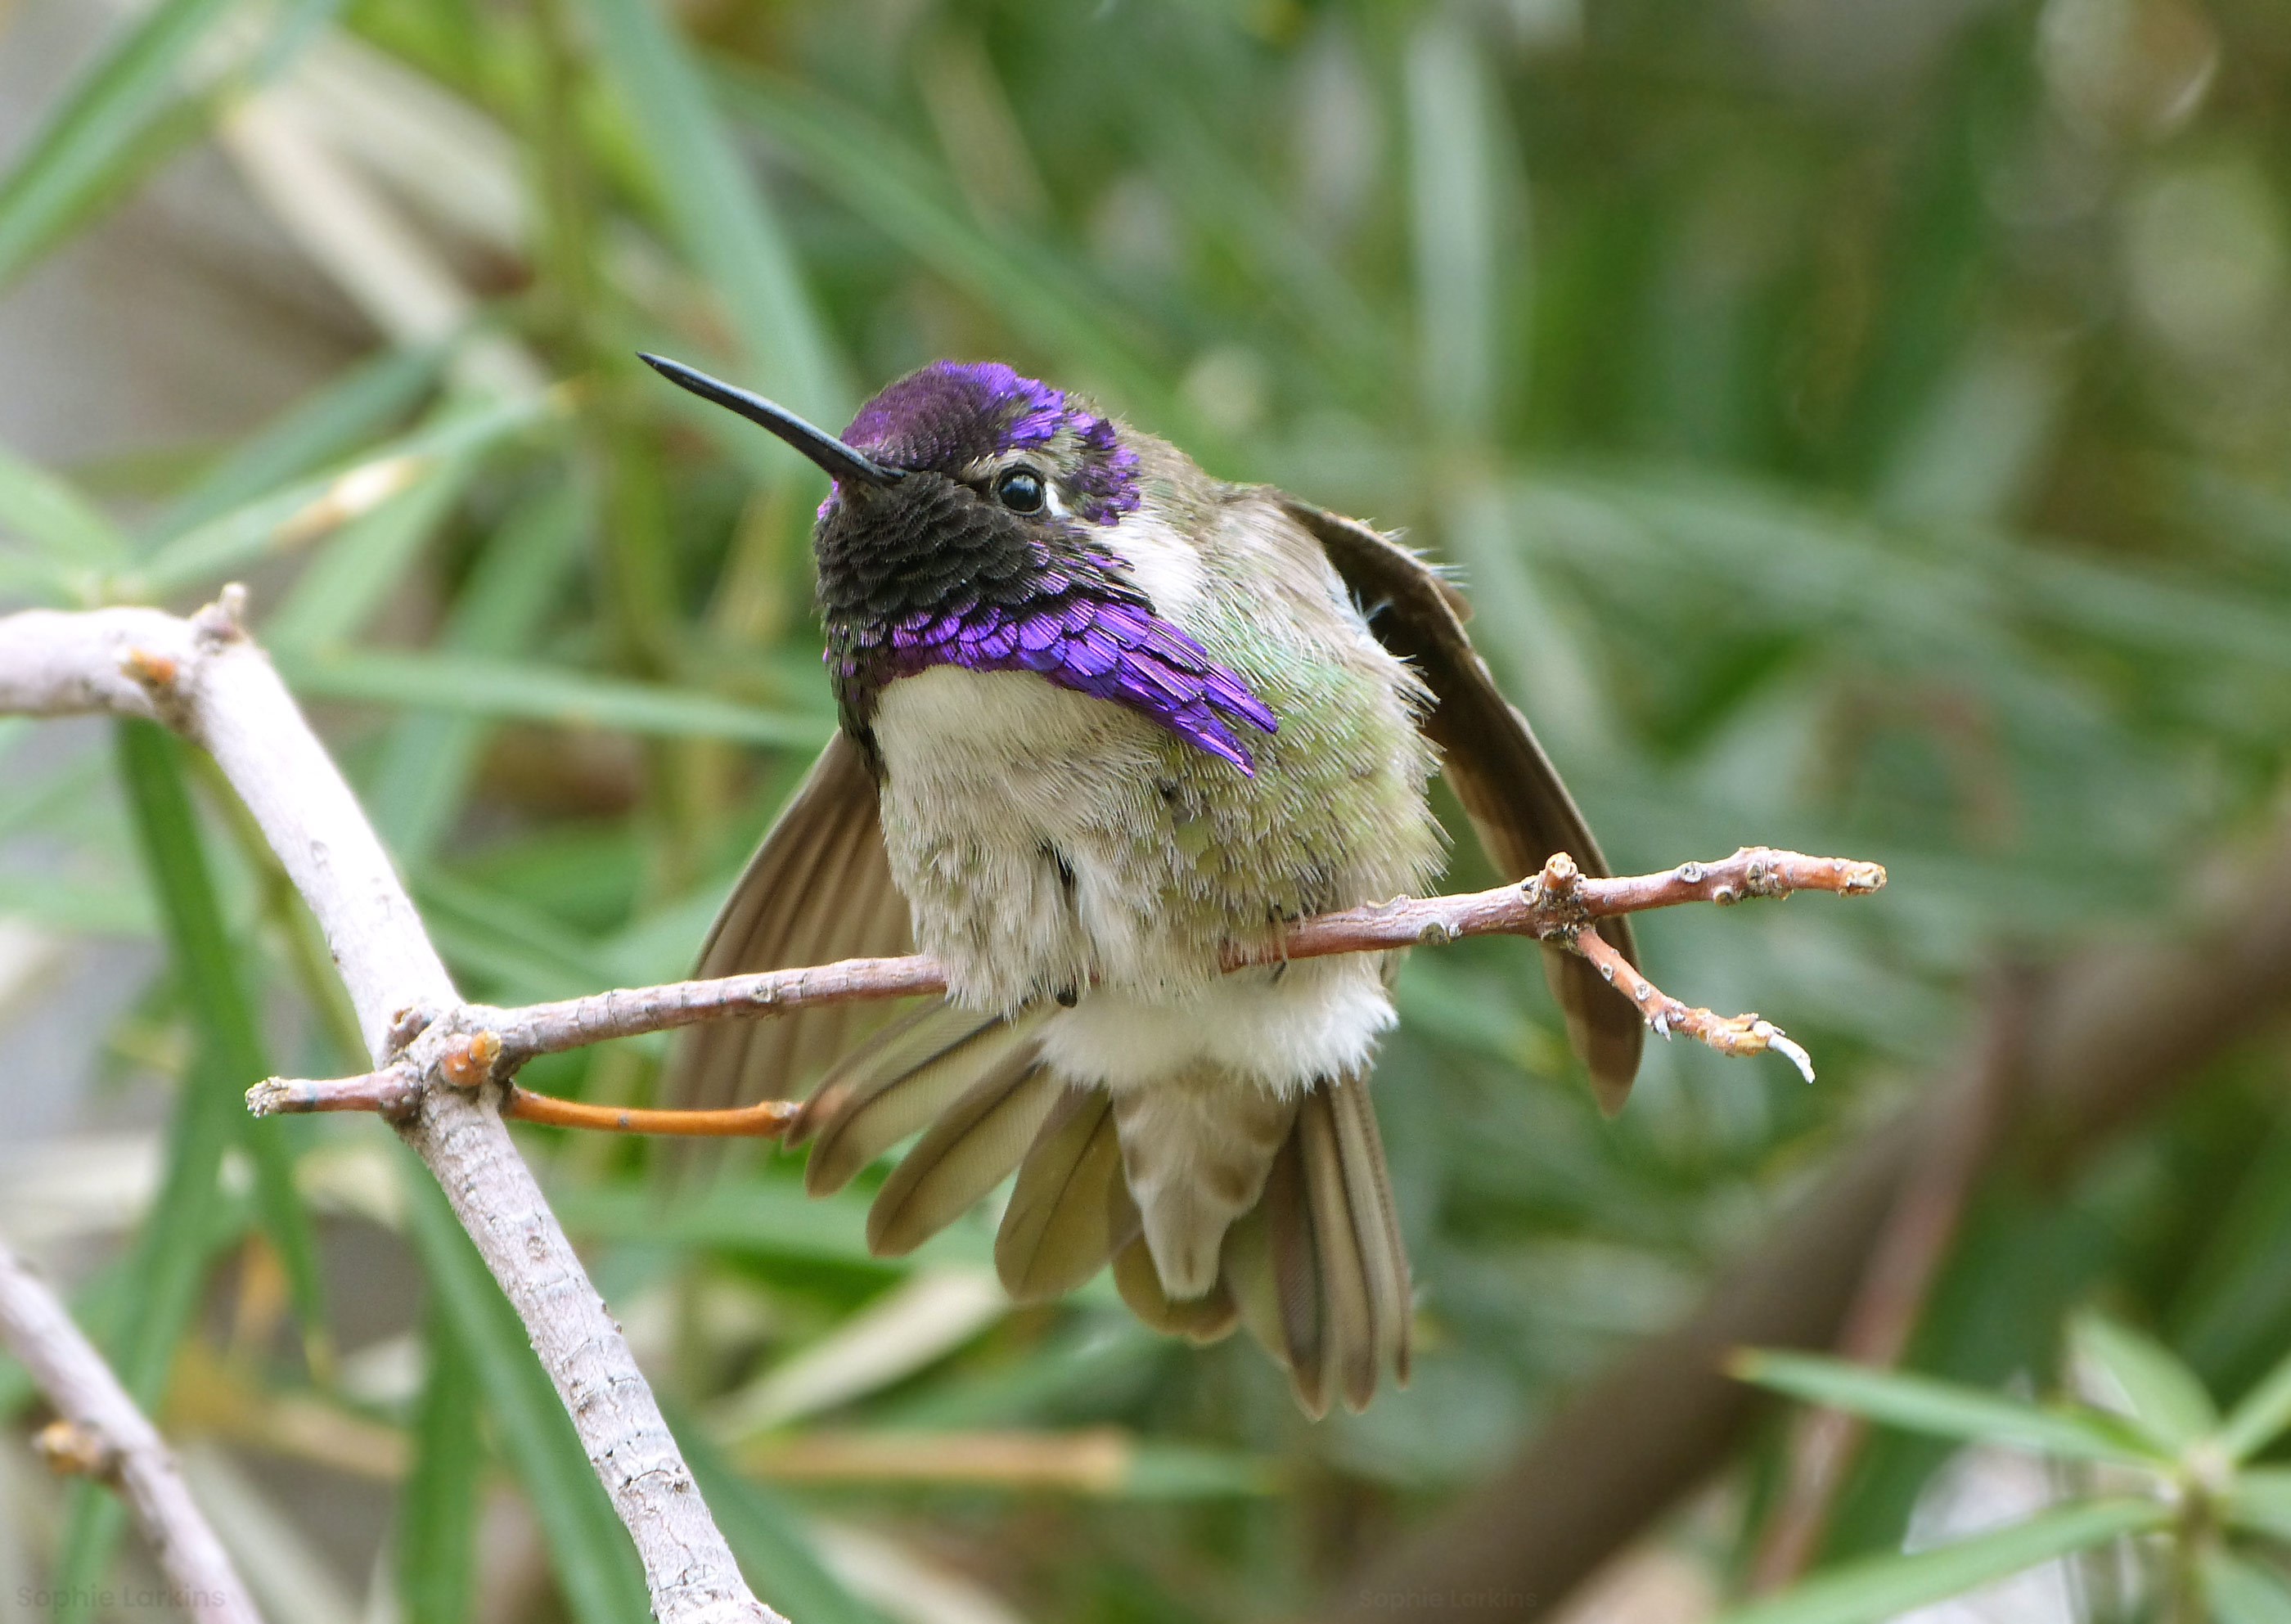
(1865, 429)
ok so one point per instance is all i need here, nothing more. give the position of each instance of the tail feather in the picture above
(1069, 1210)
(1318, 1269)
(1195, 1148)
(897, 1081)
(1204, 1318)
(1275, 1273)
(1218, 1202)
(1346, 1307)
(970, 1148)
(1376, 1226)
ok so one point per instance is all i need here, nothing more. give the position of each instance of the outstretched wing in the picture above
(818, 889)
(1521, 811)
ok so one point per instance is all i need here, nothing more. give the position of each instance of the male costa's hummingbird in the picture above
(1101, 715)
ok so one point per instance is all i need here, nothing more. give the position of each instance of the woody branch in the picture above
(99, 1433)
(1559, 903)
(203, 678)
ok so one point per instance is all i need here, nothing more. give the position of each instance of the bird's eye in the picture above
(1020, 490)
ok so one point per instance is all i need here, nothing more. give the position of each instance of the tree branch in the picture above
(202, 677)
(1560, 904)
(100, 1434)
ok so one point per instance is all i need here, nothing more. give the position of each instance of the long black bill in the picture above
(838, 458)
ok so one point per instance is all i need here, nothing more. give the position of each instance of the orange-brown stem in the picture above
(765, 1120)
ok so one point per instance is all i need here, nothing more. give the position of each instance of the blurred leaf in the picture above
(904, 197)
(207, 966)
(1822, 563)
(167, 1269)
(1919, 1403)
(427, 758)
(2231, 1307)
(768, 1536)
(2259, 1501)
(310, 508)
(767, 1216)
(2168, 1404)
(1207, 178)
(47, 512)
(1453, 194)
(299, 22)
(478, 685)
(326, 424)
(438, 1509)
(109, 907)
(2244, 1592)
(727, 227)
(2263, 1415)
(1880, 1586)
(589, 1549)
(1999, 1308)
(95, 128)
(1090, 1369)
(40, 582)
(528, 955)
(1184, 1471)
(352, 572)
(2145, 609)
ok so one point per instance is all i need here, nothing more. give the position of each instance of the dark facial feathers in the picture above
(936, 570)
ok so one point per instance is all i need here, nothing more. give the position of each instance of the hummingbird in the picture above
(1101, 715)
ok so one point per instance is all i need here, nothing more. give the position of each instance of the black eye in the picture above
(1020, 490)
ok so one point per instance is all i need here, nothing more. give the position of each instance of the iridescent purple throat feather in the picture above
(1105, 647)
(931, 572)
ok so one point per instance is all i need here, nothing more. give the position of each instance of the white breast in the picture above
(994, 779)
(1019, 818)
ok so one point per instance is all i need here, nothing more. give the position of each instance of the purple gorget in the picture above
(937, 570)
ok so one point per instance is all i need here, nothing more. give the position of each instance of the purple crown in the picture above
(951, 412)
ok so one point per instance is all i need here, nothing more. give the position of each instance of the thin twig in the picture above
(203, 677)
(765, 1120)
(100, 1434)
(1560, 902)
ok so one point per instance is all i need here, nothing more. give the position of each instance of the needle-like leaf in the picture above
(1943, 1408)
(1881, 1587)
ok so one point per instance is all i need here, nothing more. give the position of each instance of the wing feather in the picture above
(1517, 802)
(818, 889)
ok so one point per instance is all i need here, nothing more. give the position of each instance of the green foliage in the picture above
(2161, 1423)
(1842, 443)
(98, 130)
(437, 1529)
(1882, 1586)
